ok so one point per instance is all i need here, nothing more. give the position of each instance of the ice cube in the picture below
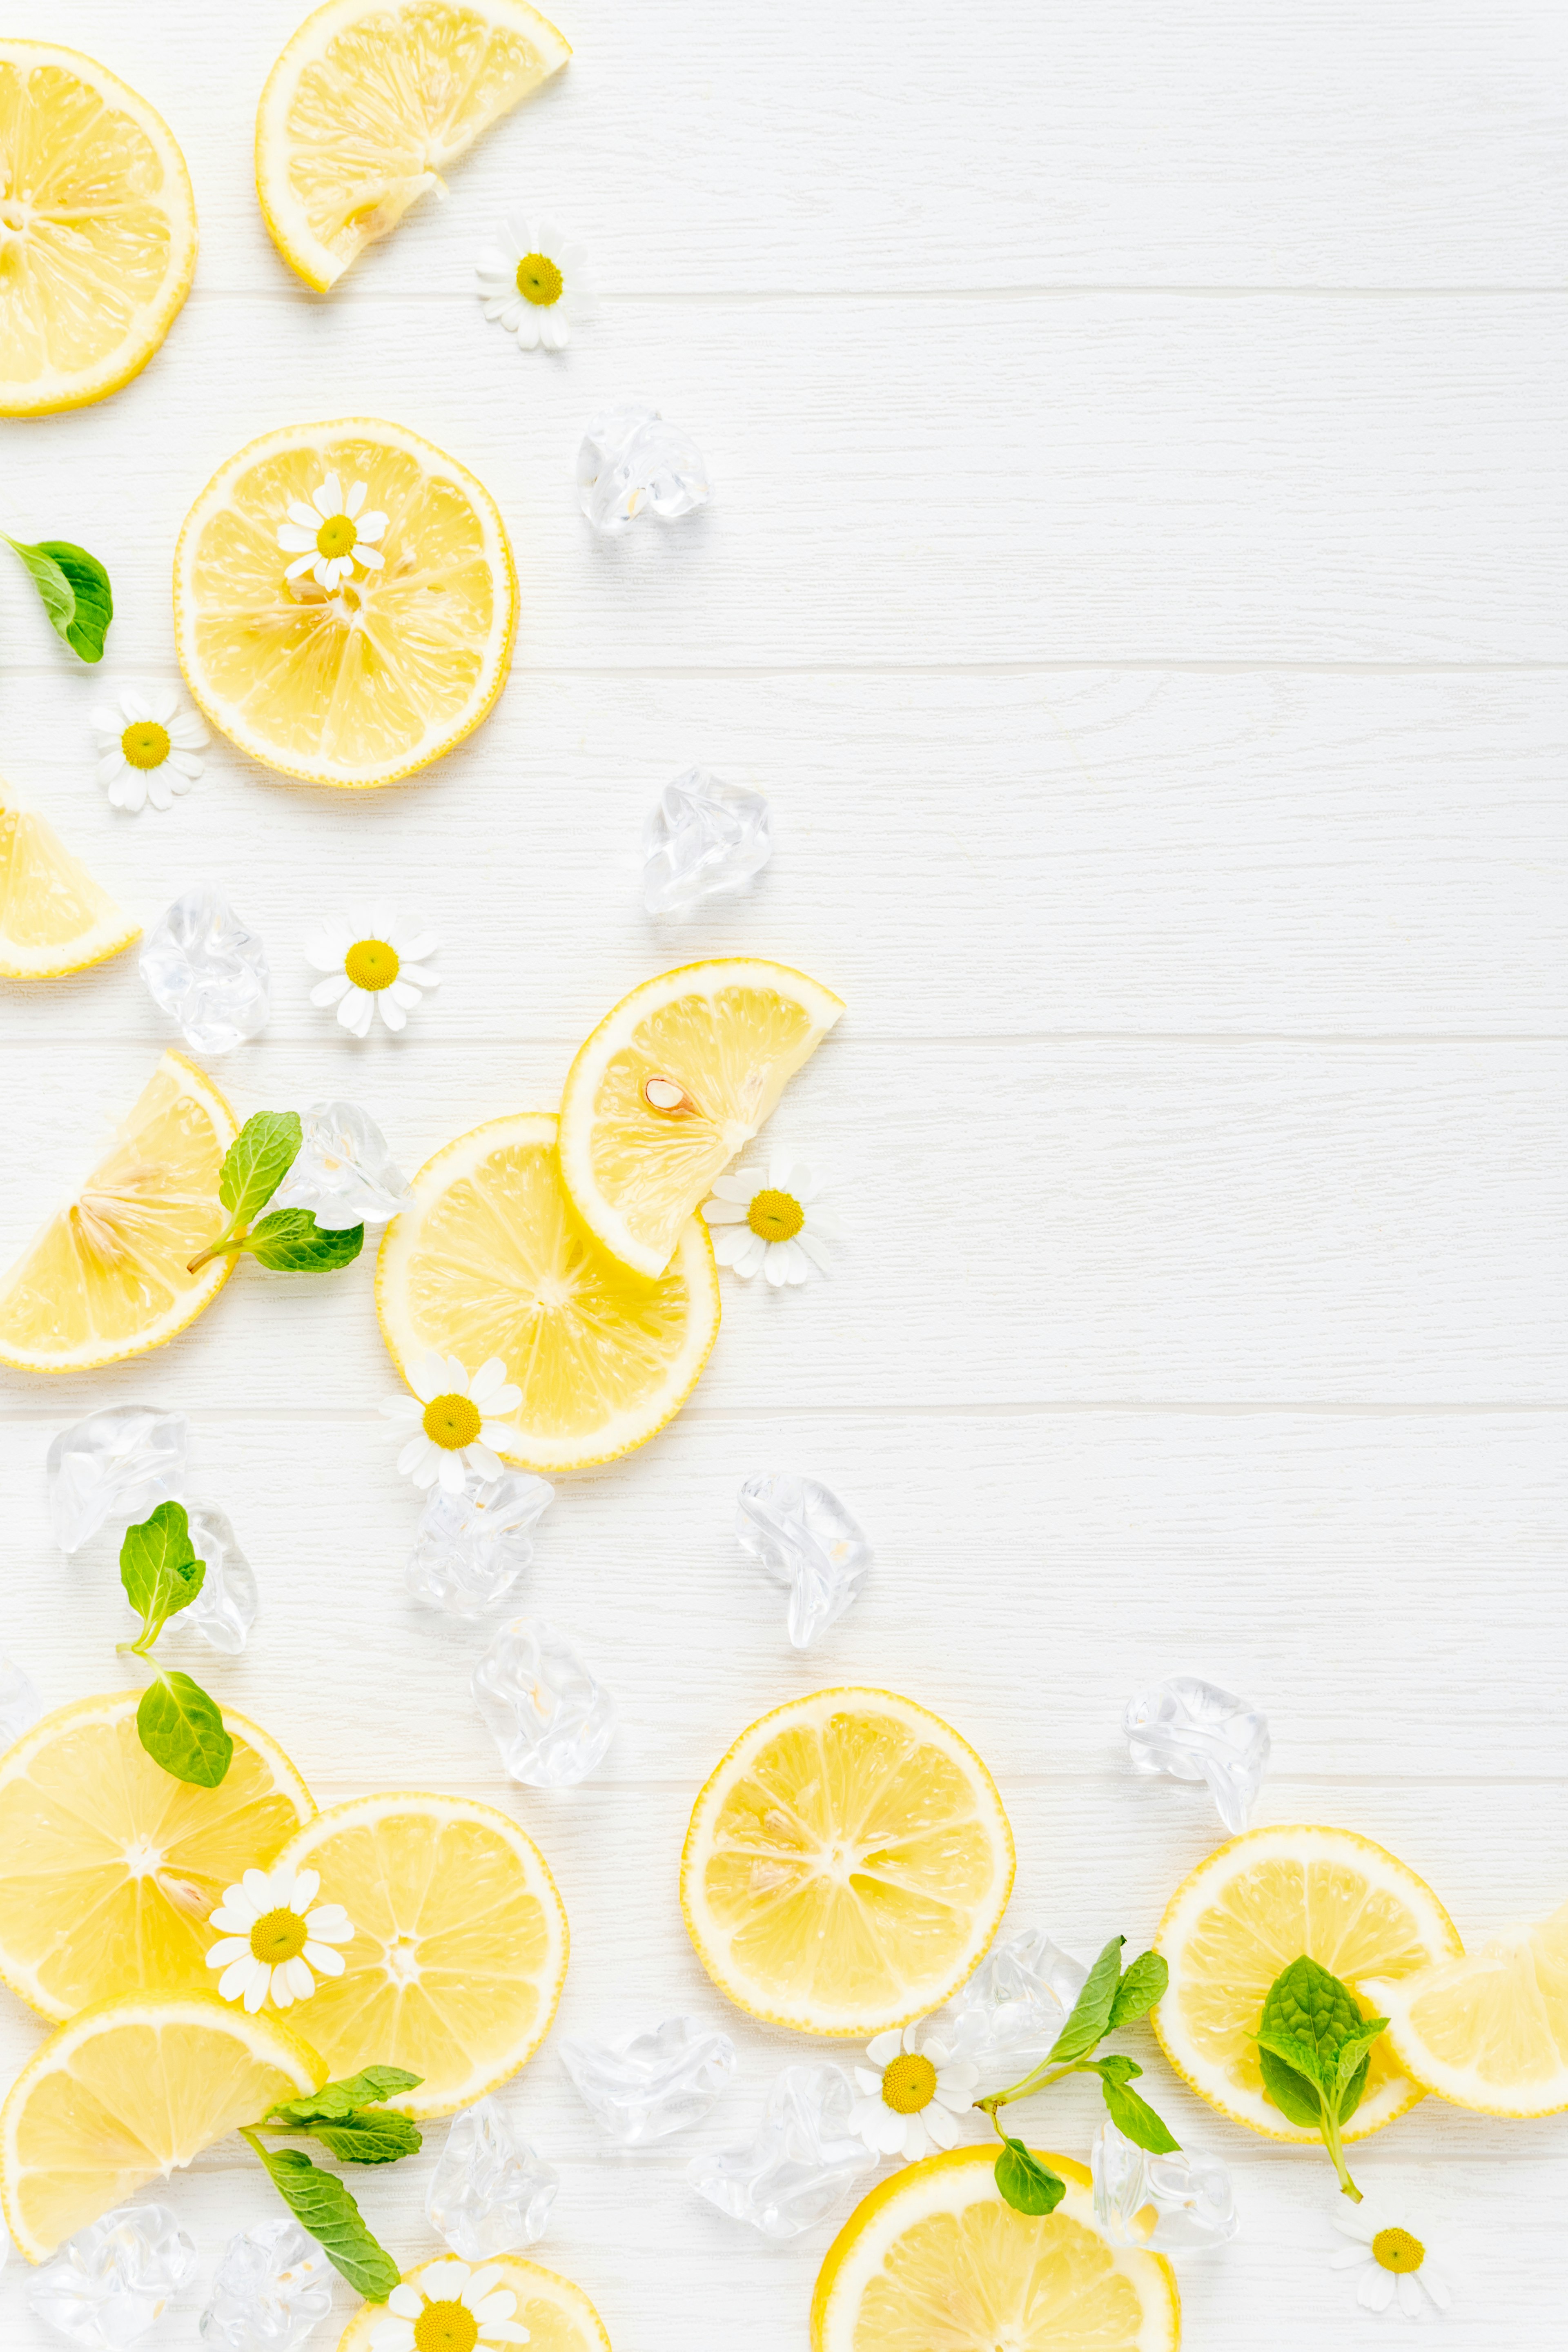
(802, 1537)
(208, 970)
(1188, 2193)
(471, 1549)
(801, 2163)
(631, 462)
(1192, 1730)
(704, 840)
(344, 1171)
(647, 2085)
(490, 2191)
(272, 2286)
(549, 1717)
(1005, 2018)
(20, 1708)
(109, 2285)
(115, 1468)
(223, 1611)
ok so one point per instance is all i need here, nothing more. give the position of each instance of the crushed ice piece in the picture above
(1190, 2193)
(223, 1611)
(109, 2283)
(647, 2085)
(471, 1549)
(802, 1537)
(490, 2191)
(1192, 1730)
(704, 839)
(631, 462)
(801, 2163)
(20, 1707)
(1004, 2019)
(208, 970)
(549, 1717)
(116, 1466)
(344, 1172)
(272, 2286)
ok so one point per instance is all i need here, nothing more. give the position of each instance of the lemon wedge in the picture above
(847, 1864)
(54, 918)
(398, 655)
(556, 2313)
(1487, 2030)
(98, 230)
(369, 105)
(106, 1278)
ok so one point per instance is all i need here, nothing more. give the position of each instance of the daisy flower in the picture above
(147, 743)
(775, 1221)
(1391, 2259)
(449, 2308)
(331, 535)
(907, 2107)
(272, 1938)
(372, 960)
(534, 283)
(452, 1424)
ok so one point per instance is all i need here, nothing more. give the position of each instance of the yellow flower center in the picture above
(909, 2084)
(145, 744)
(336, 536)
(538, 280)
(278, 1936)
(446, 2327)
(777, 1216)
(372, 963)
(1396, 2249)
(452, 1422)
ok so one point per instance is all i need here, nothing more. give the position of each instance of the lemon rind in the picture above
(1458, 2087)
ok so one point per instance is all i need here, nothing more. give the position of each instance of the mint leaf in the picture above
(289, 1241)
(182, 1729)
(1307, 2004)
(1294, 2095)
(1136, 2119)
(368, 2137)
(256, 1162)
(1142, 1985)
(160, 1572)
(1115, 2068)
(1025, 2183)
(74, 588)
(1355, 2056)
(334, 2101)
(1091, 2011)
(322, 2206)
(1303, 2058)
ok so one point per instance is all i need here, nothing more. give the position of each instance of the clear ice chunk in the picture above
(704, 840)
(471, 1549)
(1192, 1730)
(344, 1172)
(802, 1537)
(801, 2163)
(109, 2285)
(208, 970)
(647, 2085)
(20, 1708)
(631, 462)
(1005, 2018)
(116, 1466)
(1192, 2202)
(550, 1720)
(490, 2191)
(273, 2284)
(223, 1611)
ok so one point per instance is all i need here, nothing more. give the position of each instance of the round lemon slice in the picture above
(109, 1866)
(672, 1085)
(372, 101)
(1244, 1915)
(933, 2256)
(54, 918)
(1487, 2030)
(127, 2092)
(557, 2315)
(847, 1864)
(107, 1276)
(98, 230)
(459, 1947)
(391, 642)
(490, 1260)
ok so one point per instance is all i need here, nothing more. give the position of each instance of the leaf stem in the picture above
(229, 1241)
(1330, 2130)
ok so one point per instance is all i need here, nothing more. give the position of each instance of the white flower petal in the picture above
(1350, 2258)
(357, 1011)
(415, 950)
(939, 2126)
(391, 1013)
(914, 2142)
(450, 1471)
(445, 2281)
(395, 2335)
(295, 542)
(778, 1263)
(554, 327)
(412, 1458)
(527, 328)
(480, 1457)
(403, 993)
(406, 2300)
(134, 703)
(300, 565)
(419, 976)
(327, 500)
(750, 1254)
(354, 500)
(1375, 2292)
(370, 557)
(723, 1213)
(370, 526)
(188, 732)
(885, 2047)
(187, 765)
(741, 1185)
(329, 1923)
(1437, 2287)
(235, 1981)
(227, 1950)
(302, 1983)
(869, 2082)
(1360, 2221)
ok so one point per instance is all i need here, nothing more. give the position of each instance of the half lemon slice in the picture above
(54, 918)
(1487, 2030)
(556, 2313)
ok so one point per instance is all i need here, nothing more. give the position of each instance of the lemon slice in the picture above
(128, 2091)
(54, 918)
(106, 1278)
(1254, 1907)
(459, 1947)
(491, 1261)
(726, 1035)
(847, 1864)
(1487, 2030)
(369, 105)
(98, 230)
(557, 2315)
(933, 2257)
(109, 1866)
(396, 653)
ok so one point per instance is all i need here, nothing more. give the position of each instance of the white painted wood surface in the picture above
(1136, 573)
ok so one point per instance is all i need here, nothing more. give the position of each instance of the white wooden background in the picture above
(1136, 574)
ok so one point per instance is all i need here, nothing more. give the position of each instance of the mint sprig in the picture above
(351, 2121)
(325, 2211)
(1314, 2048)
(288, 1241)
(178, 1725)
(73, 588)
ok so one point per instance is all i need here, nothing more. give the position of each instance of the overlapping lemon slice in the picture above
(54, 918)
(1490, 2028)
(491, 1261)
(932, 2257)
(1255, 1905)
(98, 230)
(370, 103)
(106, 1278)
(556, 2313)
(847, 1864)
(672, 1085)
(129, 2089)
(392, 640)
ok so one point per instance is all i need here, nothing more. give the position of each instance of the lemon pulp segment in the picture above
(54, 918)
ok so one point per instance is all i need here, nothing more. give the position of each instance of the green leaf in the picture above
(1296, 2098)
(289, 1243)
(1115, 2067)
(1142, 1985)
(333, 2100)
(1307, 2004)
(75, 590)
(368, 2137)
(1303, 2058)
(1354, 2054)
(256, 1162)
(182, 1729)
(1024, 2181)
(1136, 2119)
(322, 2206)
(160, 1572)
(1091, 2011)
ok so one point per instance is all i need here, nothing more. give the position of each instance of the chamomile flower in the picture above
(774, 1222)
(451, 1424)
(908, 2105)
(147, 743)
(273, 1939)
(534, 283)
(1391, 2260)
(331, 535)
(374, 962)
(449, 2308)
